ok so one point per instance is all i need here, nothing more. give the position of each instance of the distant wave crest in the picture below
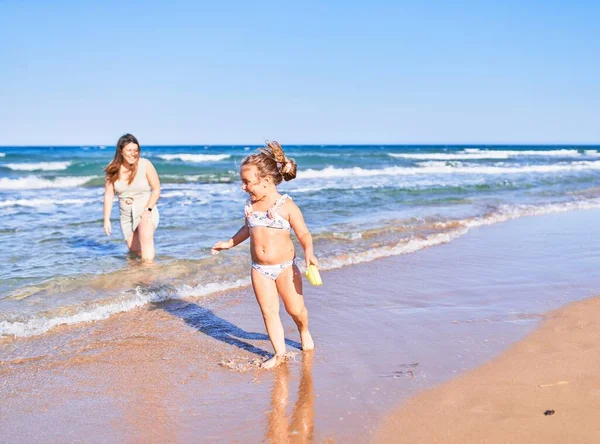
(44, 202)
(195, 157)
(36, 182)
(443, 168)
(476, 154)
(42, 166)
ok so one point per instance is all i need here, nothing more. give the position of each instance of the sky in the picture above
(192, 72)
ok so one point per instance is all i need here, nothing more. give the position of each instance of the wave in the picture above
(36, 182)
(443, 168)
(198, 179)
(557, 153)
(455, 229)
(42, 166)
(478, 154)
(448, 231)
(195, 157)
(139, 297)
(2, 154)
(44, 202)
(448, 156)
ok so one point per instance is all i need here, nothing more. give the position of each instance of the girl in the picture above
(269, 218)
(137, 185)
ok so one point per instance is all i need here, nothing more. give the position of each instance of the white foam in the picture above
(444, 168)
(348, 236)
(45, 202)
(450, 156)
(140, 297)
(36, 182)
(504, 213)
(2, 154)
(42, 166)
(476, 153)
(195, 157)
(555, 153)
(406, 247)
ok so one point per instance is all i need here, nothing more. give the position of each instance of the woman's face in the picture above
(252, 183)
(131, 153)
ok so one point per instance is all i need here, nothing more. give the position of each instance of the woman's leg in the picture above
(268, 301)
(133, 243)
(289, 286)
(145, 232)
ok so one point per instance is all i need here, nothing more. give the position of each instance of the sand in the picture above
(544, 389)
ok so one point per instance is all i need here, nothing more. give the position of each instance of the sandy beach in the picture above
(387, 330)
(544, 389)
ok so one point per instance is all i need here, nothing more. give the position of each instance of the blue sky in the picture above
(191, 72)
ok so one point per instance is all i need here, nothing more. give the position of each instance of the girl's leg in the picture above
(268, 300)
(133, 243)
(145, 232)
(289, 286)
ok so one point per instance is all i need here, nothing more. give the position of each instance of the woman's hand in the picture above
(311, 259)
(146, 214)
(222, 245)
(107, 227)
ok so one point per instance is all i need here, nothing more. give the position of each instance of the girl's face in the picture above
(131, 153)
(252, 183)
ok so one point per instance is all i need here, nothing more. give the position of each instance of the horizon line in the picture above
(559, 144)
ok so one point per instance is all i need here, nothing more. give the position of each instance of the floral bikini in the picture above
(269, 219)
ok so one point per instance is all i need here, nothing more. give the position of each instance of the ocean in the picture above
(361, 203)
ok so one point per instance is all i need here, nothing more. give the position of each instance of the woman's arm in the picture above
(109, 194)
(302, 233)
(154, 182)
(239, 237)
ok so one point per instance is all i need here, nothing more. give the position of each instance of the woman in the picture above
(137, 185)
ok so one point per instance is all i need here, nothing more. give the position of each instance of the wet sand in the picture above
(544, 389)
(187, 371)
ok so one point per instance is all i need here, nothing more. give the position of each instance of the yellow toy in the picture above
(313, 276)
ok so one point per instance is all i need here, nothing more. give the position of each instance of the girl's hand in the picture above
(107, 227)
(311, 259)
(223, 245)
(146, 214)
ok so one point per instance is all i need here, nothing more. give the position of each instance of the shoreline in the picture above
(542, 389)
(385, 331)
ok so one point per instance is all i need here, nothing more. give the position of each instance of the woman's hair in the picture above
(271, 161)
(112, 170)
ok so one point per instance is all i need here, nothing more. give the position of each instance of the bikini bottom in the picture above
(272, 271)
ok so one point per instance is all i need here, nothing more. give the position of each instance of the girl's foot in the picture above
(272, 362)
(307, 341)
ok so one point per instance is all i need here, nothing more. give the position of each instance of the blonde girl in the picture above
(269, 219)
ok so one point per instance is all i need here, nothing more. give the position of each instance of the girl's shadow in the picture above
(210, 324)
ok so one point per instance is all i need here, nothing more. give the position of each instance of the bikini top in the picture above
(270, 218)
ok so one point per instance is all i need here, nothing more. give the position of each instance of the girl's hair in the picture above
(271, 161)
(112, 170)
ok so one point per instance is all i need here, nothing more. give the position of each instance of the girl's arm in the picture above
(302, 233)
(154, 182)
(109, 194)
(239, 237)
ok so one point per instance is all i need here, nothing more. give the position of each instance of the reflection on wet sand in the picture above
(301, 427)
